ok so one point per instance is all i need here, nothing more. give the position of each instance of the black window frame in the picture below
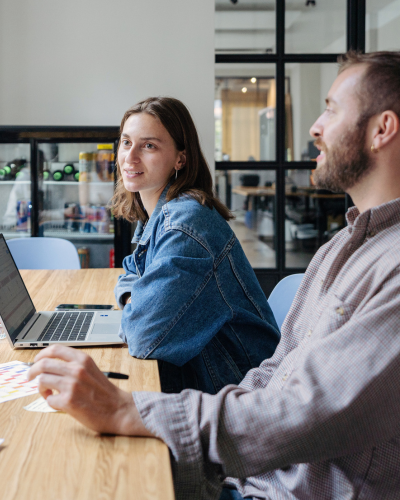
(355, 39)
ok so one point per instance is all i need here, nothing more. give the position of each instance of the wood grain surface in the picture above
(52, 456)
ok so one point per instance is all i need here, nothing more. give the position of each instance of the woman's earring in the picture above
(373, 150)
(176, 174)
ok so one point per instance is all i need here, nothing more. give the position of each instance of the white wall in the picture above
(305, 90)
(84, 62)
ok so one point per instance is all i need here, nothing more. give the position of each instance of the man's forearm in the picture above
(85, 393)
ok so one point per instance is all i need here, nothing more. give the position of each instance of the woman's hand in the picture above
(84, 392)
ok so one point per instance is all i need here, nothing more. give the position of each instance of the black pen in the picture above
(120, 376)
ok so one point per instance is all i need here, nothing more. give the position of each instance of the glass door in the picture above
(15, 190)
(76, 183)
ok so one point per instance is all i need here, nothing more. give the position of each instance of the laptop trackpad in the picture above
(105, 333)
(103, 329)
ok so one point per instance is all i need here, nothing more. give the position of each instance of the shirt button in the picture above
(322, 282)
(340, 311)
(309, 333)
(285, 377)
(371, 233)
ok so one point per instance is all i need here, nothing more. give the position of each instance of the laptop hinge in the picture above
(27, 327)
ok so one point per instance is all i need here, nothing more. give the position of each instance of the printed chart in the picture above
(13, 382)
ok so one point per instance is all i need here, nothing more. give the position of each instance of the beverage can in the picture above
(22, 212)
(112, 258)
(83, 253)
(85, 166)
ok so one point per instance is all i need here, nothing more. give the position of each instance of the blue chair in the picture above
(44, 253)
(282, 296)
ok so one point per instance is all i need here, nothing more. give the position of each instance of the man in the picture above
(321, 418)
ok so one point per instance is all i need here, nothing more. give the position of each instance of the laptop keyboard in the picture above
(67, 326)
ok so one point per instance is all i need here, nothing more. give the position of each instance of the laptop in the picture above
(27, 328)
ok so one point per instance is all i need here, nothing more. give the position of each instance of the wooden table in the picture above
(50, 455)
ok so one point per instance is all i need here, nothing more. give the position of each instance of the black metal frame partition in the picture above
(356, 10)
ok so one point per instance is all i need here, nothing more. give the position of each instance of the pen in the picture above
(120, 376)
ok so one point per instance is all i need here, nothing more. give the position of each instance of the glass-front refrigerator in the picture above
(57, 182)
(75, 185)
(15, 190)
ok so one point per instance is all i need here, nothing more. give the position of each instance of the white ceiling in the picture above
(249, 25)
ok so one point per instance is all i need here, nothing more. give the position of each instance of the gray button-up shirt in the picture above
(321, 418)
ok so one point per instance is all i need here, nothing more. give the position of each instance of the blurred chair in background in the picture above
(282, 296)
(44, 253)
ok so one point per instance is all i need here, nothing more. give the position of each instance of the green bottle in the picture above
(69, 171)
(58, 175)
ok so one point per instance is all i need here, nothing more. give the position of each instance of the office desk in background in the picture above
(50, 456)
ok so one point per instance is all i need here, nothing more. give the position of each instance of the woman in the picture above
(190, 298)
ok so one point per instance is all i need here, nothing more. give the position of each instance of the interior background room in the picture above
(254, 74)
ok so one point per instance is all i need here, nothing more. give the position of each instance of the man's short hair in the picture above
(380, 84)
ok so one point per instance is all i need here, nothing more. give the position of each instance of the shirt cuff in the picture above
(171, 417)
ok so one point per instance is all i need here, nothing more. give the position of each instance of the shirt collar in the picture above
(374, 219)
(143, 230)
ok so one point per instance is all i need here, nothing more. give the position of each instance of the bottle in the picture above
(2, 174)
(7, 170)
(76, 176)
(14, 170)
(58, 175)
(69, 171)
(46, 175)
(105, 162)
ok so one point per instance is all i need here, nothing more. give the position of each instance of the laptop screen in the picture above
(16, 307)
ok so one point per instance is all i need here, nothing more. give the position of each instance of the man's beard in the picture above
(346, 162)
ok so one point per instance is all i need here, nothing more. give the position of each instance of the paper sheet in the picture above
(40, 405)
(13, 382)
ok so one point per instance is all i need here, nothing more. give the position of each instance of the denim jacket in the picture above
(197, 306)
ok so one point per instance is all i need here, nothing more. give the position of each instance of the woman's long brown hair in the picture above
(194, 179)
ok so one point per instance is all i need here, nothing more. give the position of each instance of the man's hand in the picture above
(84, 392)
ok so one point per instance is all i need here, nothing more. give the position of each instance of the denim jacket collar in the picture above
(143, 231)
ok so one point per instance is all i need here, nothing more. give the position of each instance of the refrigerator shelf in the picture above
(74, 183)
(15, 234)
(14, 182)
(70, 235)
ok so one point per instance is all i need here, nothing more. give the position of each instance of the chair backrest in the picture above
(282, 296)
(44, 253)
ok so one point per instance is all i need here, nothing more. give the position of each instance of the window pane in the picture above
(250, 194)
(15, 190)
(315, 26)
(382, 25)
(245, 26)
(308, 86)
(244, 110)
(312, 217)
